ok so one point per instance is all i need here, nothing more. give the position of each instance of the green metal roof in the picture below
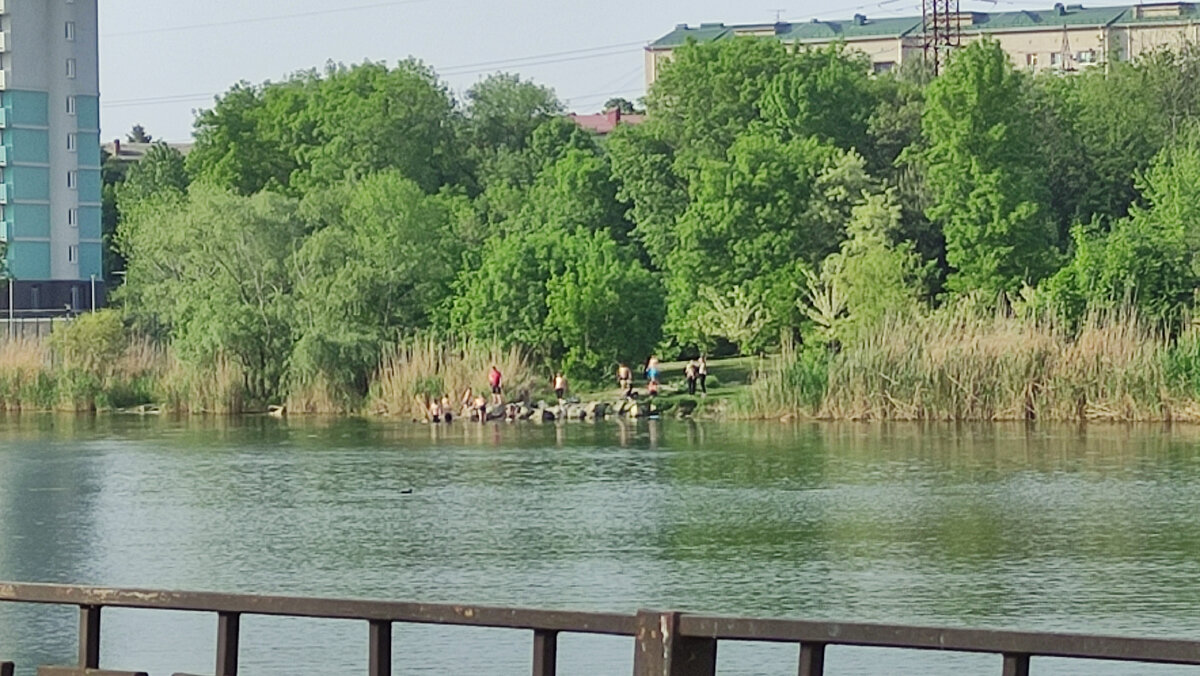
(1071, 15)
(860, 28)
(849, 30)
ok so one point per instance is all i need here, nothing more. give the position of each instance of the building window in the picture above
(1031, 59)
(71, 68)
(1086, 56)
(884, 67)
(72, 141)
(70, 31)
(73, 253)
(70, 105)
(1054, 58)
(73, 217)
(72, 178)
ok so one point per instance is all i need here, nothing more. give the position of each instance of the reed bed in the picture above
(26, 381)
(961, 366)
(432, 366)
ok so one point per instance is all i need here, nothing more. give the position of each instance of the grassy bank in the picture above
(942, 366)
(953, 368)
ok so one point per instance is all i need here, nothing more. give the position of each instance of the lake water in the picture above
(1092, 530)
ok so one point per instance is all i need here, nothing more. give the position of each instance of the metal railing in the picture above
(665, 643)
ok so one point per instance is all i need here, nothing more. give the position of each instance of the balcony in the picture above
(3, 40)
(3, 193)
(3, 118)
(3, 76)
(3, 156)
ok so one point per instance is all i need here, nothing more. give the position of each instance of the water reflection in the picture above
(1066, 528)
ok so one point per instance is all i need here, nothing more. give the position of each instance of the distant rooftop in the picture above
(864, 27)
(603, 123)
(128, 151)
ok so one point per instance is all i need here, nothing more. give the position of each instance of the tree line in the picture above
(773, 193)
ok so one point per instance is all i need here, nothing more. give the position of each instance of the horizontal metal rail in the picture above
(665, 643)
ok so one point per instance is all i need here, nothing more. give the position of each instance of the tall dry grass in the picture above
(432, 366)
(219, 387)
(26, 380)
(952, 366)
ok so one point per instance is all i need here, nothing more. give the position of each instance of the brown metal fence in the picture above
(665, 643)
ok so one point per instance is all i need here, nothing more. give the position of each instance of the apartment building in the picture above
(50, 155)
(1064, 37)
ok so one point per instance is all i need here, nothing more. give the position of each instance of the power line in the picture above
(586, 53)
(546, 62)
(264, 19)
(622, 47)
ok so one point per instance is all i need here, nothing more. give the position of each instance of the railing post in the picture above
(381, 648)
(545, 652)
(812, 659)
(228, 636)
(1016, 664)
(89, 637)
(659, 650)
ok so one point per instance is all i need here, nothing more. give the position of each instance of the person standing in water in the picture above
(494, 380)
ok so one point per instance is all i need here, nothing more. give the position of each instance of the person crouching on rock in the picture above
(481, 407)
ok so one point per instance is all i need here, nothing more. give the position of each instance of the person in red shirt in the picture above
(494, 381)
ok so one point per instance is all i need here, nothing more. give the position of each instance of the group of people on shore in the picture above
(475, 405)
(695, 372)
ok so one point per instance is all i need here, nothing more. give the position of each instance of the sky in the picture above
(162, 60)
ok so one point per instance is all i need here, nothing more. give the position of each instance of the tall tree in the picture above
(209, 269)
(503, 110)
(372, 274)
(986, 174)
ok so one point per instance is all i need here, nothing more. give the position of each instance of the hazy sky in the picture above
(160, 60)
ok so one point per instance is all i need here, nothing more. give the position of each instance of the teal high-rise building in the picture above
(50, 154)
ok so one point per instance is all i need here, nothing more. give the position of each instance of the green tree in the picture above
(874, 277)
(238, 146)
(1150, 259)
(209, 271)
(577, 191)
(824, 92)
(370, 117)
(643, 164)
(138, 135)
(503, 110)
(986, 174)
(161, 169)
(763, 215)
(577, 298)
(618, 103)
(372, 274)
(709, 93)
